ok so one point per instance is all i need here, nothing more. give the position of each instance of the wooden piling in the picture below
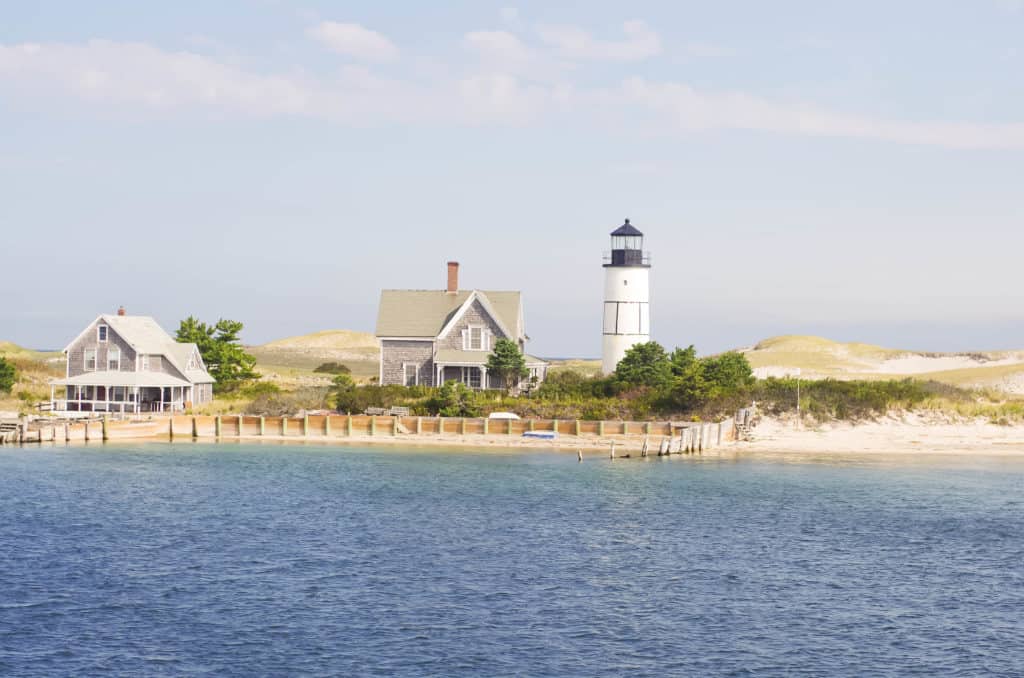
(327, 426)
(577, 428)
(487, 426)
(67, 432)
(241, 424)
(419, 425)
(263, 425)
(284, 425)
(170, 428)
(600, 428)
(373, 425)
(348, 426)
(395, 423)
(462, 426)
(305, 425)
(216, 426)
(195, 427)
(85, 432)
(103, 429)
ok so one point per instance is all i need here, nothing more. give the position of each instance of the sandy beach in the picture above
(907, 434)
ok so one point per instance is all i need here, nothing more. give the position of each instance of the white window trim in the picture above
(405, 374)
(109, 351)
(85, 360)
(144, 362)
(467, 371)
(485, 338)
(103, 339)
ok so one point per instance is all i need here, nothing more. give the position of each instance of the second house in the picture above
(429, 337)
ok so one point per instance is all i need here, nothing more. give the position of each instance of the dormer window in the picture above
(476, 338)
(101, 332)
(192, 362)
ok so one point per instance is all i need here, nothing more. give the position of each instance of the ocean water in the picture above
(235, 559)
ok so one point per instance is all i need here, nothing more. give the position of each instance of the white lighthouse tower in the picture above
(627, 315)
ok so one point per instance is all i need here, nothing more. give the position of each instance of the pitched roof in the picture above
(424, 313)
(143, 334)
(626, 229)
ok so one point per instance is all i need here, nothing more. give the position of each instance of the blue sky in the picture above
(846, 169)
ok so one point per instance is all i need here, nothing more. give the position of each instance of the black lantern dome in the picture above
(628, 247)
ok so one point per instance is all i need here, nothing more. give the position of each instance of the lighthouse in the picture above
(627, 315)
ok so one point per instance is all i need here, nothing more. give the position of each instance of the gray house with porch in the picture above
(129, 364)
(429, 337)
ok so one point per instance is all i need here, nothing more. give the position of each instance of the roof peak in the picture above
(627, 229)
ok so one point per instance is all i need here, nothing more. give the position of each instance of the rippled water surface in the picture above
(273, 560)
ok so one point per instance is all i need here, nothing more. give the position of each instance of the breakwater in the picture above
(652, 436)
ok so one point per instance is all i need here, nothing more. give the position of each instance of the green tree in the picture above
(344, 391)
(455, 399)
(222, 351)
(728, 372)
(645, 364)
(8, 375)
(689, 388)
(507, 361)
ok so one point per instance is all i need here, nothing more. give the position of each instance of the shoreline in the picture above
(905, 436)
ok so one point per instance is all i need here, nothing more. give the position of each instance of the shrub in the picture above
(333, 368)
(8, 375)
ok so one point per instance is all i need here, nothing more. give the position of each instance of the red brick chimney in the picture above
(120, 310)
(453, 277)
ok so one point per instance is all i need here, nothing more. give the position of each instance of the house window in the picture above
(145, 363)
(118, 393)
(475, 339)
(114, 359)
(192, 364)
(90, 360)
(101, 332)
(471, 377)
(410, 374)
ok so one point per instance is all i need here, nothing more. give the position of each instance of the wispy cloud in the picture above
(500, 89)
(354, 40)
(691, 109)
(573, 42)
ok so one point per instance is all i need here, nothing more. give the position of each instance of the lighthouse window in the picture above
(625, 282)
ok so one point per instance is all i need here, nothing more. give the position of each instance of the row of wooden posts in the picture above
(692, 437)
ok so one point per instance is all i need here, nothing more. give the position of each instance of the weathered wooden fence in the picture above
(675, 436)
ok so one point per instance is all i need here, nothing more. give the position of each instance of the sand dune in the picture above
(817, 357)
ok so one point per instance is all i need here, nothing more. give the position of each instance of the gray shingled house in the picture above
(429, 337)
(129, 364)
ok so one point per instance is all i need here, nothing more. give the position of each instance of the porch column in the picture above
(483, 378)
(161, 398)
